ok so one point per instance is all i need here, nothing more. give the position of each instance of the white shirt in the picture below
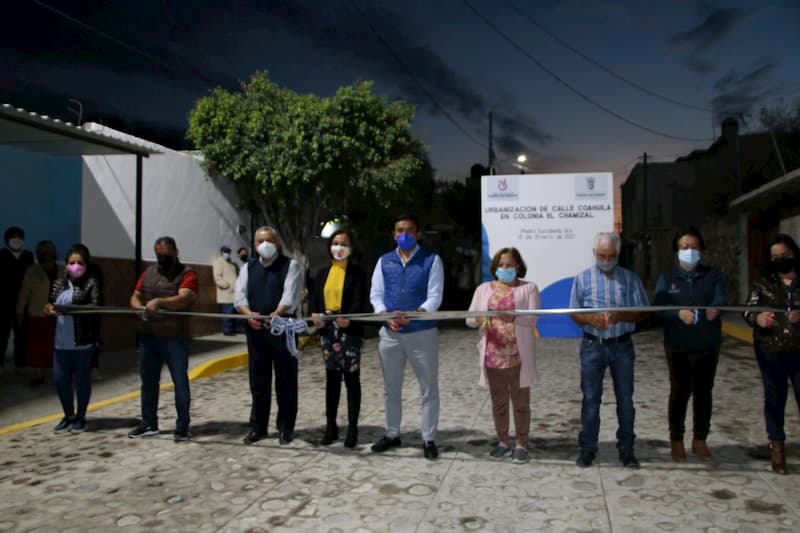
(291, 287)
(435, 285)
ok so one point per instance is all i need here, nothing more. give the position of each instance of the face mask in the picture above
(406, 241)
(76, 270)
(243, 258)
(606, 266)
(339, 252)
(783, 265)
(165, 262)
(226, 256)
(689, 257)
(16, 244)
(267, 250)
(506, 275)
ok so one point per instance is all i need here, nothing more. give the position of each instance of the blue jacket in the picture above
(406, 287)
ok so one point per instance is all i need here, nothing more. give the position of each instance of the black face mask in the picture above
(783, 265)
(165, 262)
(243, 257)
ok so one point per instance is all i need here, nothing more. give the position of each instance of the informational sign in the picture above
(552, 220)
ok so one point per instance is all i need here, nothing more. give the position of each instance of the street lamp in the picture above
(521, 159)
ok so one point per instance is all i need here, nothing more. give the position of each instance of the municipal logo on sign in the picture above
(591, 186)
(503, 188)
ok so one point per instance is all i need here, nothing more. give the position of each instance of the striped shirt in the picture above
(621, 288)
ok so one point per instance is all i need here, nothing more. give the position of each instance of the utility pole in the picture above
(491, 149)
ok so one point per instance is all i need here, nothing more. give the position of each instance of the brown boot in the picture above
(678, 451)
(777, 456)
(701, 450)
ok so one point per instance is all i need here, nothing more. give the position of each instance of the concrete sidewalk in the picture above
(101, 480)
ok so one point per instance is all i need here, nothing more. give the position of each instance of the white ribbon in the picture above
(289, 327)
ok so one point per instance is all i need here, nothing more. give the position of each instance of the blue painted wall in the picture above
(42, 195)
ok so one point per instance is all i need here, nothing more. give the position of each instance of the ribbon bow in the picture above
(288, 327)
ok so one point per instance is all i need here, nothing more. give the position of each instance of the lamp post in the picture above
(521, 159)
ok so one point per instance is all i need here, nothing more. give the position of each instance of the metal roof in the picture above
(783, 190)
(40, 133)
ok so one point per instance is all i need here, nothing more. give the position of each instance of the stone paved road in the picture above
(101, 480)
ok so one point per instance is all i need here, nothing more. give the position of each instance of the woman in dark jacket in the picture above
(76, 337)
(340, 287)
(776, 339)
(692, 338)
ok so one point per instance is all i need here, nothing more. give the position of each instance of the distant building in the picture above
(716, 190)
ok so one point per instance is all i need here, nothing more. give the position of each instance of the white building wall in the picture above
(178, 199)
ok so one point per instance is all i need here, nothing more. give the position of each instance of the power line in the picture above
(602, 67)
(566, 84)
(123, 44)
(416, 80)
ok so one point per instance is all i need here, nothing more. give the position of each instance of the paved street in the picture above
(101, 480)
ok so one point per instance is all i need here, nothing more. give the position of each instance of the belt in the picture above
(625, 337)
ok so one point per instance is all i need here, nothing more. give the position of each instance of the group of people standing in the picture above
(410, 278)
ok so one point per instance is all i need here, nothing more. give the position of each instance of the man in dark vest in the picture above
(172, 286)
(269, 286)
(409, 278)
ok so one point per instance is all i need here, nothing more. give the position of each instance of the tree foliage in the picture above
(297, 158)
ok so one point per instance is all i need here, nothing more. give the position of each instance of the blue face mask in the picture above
(406, 241)
(689, 257)
(506, 275)
(606, 266)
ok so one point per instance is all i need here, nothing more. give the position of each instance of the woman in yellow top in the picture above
(340, 287)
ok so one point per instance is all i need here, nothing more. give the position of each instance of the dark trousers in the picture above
(8, 323)
(229, 326)
(777, 369)
(333, 390)
(77, 364)
(691, 373)
(153, 353)
(267, 351)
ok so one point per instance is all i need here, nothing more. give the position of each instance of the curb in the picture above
(203, 370)
(743, 333)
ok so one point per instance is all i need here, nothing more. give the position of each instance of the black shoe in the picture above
(285, 438)
(143, 431)
(331, 435)
(64, 426)
(253, 436)
(351, 439)
(182, 434)
(585, 459)
(78, 425)
(628, 460)
(430, 450)
(385, 443)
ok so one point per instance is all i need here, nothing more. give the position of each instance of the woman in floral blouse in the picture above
(507, 348)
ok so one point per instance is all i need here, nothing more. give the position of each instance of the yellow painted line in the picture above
(203, 370)
(742, 333)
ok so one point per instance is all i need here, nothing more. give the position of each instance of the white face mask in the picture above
(339, 252)
(226, 256)
(16, 244)
(267, 250)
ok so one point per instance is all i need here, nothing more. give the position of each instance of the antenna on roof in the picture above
(77, 111)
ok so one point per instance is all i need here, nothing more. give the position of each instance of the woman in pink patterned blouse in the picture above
(507, 348)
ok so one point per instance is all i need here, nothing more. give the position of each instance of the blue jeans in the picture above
(229, 326)
(153, 353)
(77, 363)
(618, 358)
(777, 369)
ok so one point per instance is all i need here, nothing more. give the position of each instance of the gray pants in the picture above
(421, 348)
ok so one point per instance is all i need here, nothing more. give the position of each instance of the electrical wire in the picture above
(416, 80)
(566, 84)
(602, 67)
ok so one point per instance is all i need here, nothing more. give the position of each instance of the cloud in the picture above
(716, 27)
(739, 93)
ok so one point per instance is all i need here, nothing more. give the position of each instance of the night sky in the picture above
(575, 85)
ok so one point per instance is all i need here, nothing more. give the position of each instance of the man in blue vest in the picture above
(269, 286)
(409, 278)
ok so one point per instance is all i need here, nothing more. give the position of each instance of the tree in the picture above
(297, 158)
